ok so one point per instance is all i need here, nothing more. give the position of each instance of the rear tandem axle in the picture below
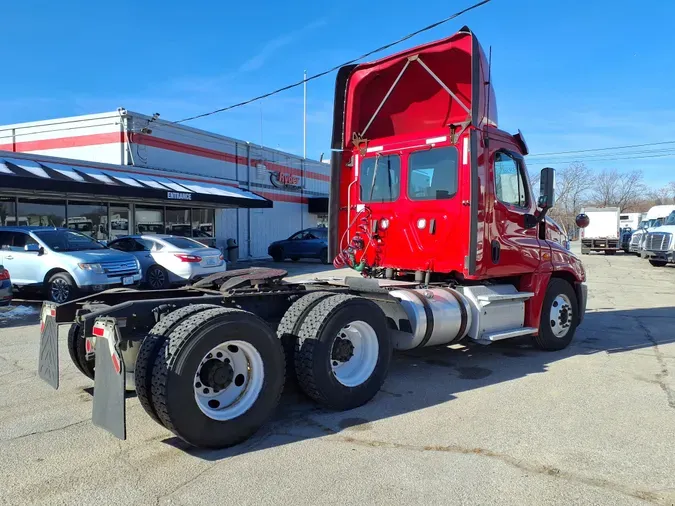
(206, 362)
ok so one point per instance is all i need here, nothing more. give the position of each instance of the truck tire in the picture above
(658, 263)
(343, 353)
(147, 354)
(610, 252)
(78, 352)
(218, 377)
(289, 327)
(559, 316)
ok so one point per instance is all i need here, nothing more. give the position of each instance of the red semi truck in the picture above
(430, 202)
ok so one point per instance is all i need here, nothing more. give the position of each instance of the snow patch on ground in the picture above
(16, 312)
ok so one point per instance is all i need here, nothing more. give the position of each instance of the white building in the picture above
(122, 172)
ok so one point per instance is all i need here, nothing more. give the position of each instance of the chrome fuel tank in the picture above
(435, 316)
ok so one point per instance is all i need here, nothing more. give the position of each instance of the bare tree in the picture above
(612, 188)
(660, 196)
(572, 187)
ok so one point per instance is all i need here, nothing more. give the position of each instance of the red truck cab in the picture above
(425, 184)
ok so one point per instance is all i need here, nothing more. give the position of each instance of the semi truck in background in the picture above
(461, 254)
(630, 220)
(654, 219)
(603, 232)
(629, 223)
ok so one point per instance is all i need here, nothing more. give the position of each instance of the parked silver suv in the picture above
(63, 263)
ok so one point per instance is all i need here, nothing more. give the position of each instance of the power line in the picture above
(337, 67)
(553, 162)
(602, 149)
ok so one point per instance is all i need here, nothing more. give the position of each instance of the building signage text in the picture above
(179, 195)
(285, 180)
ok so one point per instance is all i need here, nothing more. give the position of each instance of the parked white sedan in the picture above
(170, 259)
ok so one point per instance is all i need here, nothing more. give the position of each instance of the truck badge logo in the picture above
(178, 196)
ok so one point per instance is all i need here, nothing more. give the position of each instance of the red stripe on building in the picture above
(64, 142)
(191, 149)
(155, 142)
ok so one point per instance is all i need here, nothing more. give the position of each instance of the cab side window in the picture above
(510, 186)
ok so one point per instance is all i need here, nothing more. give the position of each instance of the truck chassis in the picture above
(206, 362)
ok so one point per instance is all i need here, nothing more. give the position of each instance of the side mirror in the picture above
(582, 220)
(33, 248)
(546, 188)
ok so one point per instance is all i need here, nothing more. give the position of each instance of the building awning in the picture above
(123, 182)
(317, 205)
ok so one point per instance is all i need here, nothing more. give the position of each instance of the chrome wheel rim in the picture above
(60, 290)
(354, 354)
(156, 278)
(228, 380)
(561, 316)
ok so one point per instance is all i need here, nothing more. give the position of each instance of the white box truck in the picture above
(602, 233)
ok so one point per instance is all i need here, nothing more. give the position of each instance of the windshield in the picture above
(67, 240)
(380, 178)
(183, 243)
(670, 220)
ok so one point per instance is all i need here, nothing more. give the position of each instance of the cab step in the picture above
(491, 337)
(503, 297)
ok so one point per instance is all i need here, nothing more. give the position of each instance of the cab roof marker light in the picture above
(374, 149)
(465, 151)
(435, 140)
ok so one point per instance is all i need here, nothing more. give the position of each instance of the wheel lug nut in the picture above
(206, 390)
(198, 385)
(219, 354)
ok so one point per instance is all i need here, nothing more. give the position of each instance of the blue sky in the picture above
(571, 75)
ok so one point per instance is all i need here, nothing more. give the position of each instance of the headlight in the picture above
(92, 267)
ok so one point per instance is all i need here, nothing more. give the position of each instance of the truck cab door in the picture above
(513, 248)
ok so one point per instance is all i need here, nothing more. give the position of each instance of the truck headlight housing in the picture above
(91, 267)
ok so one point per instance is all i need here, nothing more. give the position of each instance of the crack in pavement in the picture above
(541, 469)
(663, 374)
(46, 431)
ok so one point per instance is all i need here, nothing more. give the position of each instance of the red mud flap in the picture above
(109, 411)
(48, 365)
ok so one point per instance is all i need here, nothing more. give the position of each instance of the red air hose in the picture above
(347, 257)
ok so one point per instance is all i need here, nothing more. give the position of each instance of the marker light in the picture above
(384, 223)
(421, 223)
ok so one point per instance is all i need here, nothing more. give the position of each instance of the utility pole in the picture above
(304, 117)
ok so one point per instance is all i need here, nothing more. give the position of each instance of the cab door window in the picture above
(510, 187)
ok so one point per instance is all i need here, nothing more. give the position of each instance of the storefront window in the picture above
(150, 220)
(89, 218)
(42, 213)
(204, 226)
(8, 212)
(203, 222)
(119, 221)
(178, 222)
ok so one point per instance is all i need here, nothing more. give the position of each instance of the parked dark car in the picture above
(308, 243)
(5, 287)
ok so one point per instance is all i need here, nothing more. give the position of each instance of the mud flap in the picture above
(109, 410)
(48, 364)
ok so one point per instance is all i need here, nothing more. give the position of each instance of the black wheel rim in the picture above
(156, 278)
(60, 290)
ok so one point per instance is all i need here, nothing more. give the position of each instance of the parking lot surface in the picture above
(505, 424)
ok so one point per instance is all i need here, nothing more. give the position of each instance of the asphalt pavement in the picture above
(504, 424)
